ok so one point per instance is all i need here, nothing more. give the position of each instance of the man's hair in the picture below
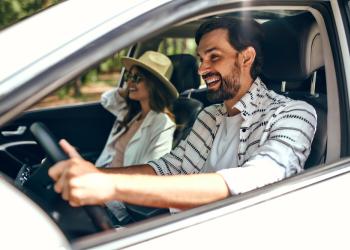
(242, 33)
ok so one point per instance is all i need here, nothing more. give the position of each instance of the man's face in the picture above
(219, 67)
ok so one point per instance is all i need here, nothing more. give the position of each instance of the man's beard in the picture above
(229, 87)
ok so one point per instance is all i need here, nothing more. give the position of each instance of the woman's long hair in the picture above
(160, 99)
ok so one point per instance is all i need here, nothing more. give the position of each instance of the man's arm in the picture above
(143, 169)
(282, 154)
(81, 183)
(180, 191)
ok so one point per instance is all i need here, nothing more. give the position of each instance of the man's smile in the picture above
(213, 81)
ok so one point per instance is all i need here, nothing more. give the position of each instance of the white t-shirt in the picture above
(223, 154)
(223, 160)
(274, 141)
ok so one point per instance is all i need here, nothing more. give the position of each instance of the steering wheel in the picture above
(40, 187)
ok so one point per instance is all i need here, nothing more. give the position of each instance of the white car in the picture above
(306, 54)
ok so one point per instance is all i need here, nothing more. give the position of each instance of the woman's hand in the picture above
(124, 92)
(79, 181)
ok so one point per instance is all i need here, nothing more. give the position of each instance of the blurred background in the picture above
(91, 84)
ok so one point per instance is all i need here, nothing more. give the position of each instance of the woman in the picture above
(144, 127)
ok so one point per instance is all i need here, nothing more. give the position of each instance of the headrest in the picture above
(186, 110)
(292, 48)
(185, 73)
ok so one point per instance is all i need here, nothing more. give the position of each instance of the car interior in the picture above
(293, 66)
(297, 72)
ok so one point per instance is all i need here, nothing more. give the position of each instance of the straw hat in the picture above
(158, 64)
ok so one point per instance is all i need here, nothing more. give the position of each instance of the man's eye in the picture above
(214, 58)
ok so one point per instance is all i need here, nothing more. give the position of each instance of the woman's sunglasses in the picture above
(135, 78)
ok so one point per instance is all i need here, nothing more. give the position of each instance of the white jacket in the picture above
(152, 140)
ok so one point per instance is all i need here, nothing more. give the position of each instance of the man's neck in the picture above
(231, 110)
(245, 86)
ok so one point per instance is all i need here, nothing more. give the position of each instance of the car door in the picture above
(198, 220)
(86, 125)
(204, 219)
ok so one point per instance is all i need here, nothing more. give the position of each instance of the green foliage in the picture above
(62, 92)
(171, 46)
(113, 63)
(14, 10)
(110, 65)
(90, 76)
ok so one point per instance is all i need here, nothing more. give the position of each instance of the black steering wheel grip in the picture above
(55, 154)
(48, 142)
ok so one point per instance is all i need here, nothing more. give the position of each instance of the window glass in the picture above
(347, 24)
(12, 11)
(89, 86)
(348, 11)
(172, 46)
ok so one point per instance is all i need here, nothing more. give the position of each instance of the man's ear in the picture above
(248, 56)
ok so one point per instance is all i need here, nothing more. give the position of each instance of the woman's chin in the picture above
(132, 96)
(136, 97)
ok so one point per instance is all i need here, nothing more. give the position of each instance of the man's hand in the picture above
(79, 181)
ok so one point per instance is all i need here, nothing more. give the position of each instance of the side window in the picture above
(12, 11)
(172, 46)
(89, 86)
(348, 13)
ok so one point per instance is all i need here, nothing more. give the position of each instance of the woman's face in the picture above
(137, 86)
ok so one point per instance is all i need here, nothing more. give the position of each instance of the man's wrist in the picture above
(115, 182)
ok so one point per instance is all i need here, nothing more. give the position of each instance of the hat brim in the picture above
(129, 62)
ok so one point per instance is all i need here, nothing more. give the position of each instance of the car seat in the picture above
(185, 109)
(185, 74)
(293, 61)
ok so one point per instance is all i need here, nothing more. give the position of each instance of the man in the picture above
(255, 137)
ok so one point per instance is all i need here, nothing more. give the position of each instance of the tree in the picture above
(14, 10)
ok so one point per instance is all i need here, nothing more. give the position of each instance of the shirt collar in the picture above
(148, 120)
(250, 102)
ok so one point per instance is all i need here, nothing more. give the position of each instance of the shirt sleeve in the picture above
(114, 102)
(177, 161)
(170, 164)
(255, 173)
(282, 154)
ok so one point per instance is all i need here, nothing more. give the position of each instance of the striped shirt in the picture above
(274, 140)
